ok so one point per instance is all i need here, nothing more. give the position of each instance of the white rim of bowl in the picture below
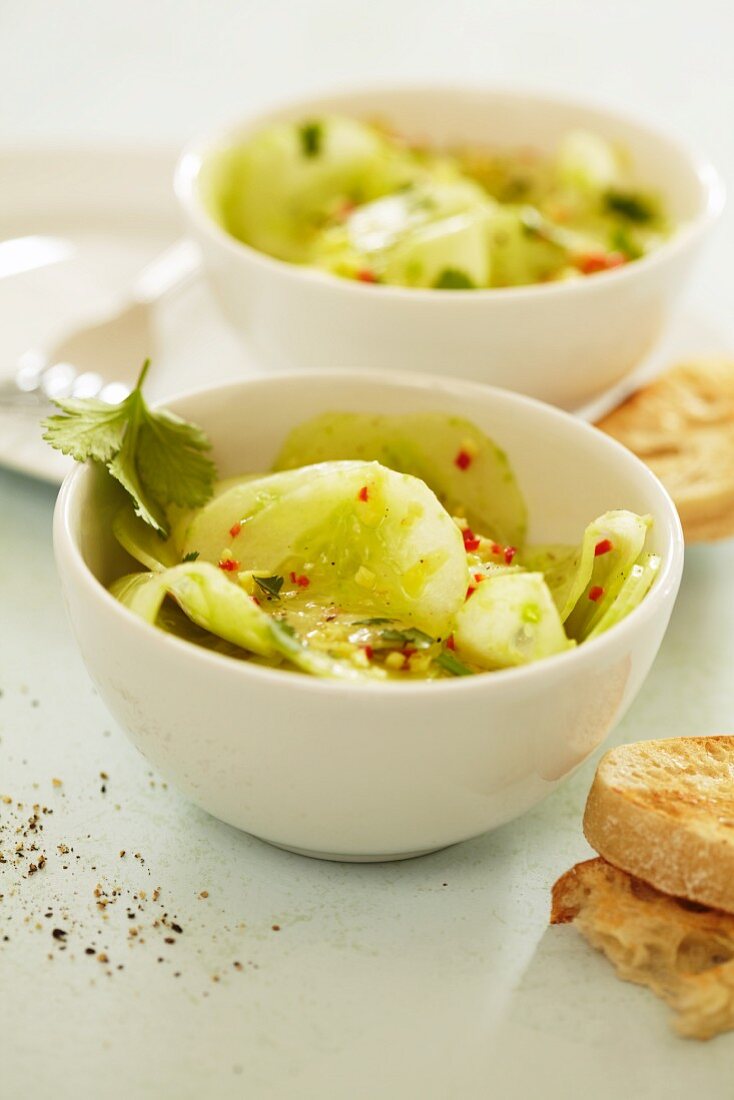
(195, 152)
(668, 579)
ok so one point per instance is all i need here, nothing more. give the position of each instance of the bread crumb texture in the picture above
(664, 812)
(682, 951)
(682, 426)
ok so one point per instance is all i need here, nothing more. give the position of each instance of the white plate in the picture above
(115, 211)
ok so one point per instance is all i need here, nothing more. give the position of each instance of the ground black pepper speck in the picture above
(22, 851)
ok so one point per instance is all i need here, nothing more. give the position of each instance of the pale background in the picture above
(383, 982)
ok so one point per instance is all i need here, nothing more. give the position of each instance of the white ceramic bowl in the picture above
(562, 342)
(372, 771)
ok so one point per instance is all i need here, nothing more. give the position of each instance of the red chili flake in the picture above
(235, 529)
(450, 643)
(591, 262)
(463, 460)
(496, 548)
(363, 494)
(508, 553)
(302, 581)
(366, 276)
(469, 590)
(407, 652)
(229, 565)
(603, 547)
(255, 600)
(368, 652)
(596, 593)
(479, 577)
(471, 542)
(345, 208)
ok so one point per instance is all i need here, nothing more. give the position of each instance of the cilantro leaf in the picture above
(631, 205)
(451, 664)
(271, 586)
(411, 636)
(191, 556)
(311, 136)
(451, 278)
(89, 428)
(158, 458)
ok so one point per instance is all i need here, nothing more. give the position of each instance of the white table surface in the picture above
(435, 978)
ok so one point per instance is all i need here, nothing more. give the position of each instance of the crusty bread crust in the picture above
(682, 426)
(682, 951)
(664, 812)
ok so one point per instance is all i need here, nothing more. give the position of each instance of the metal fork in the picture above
(117, 344)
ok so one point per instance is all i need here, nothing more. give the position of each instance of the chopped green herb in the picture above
(409, 637)
(271, 586)
(191, 556)
(621, 241)
(371, 622)
(157, 457)
(451, 278)
(449, 663)
(311, 135)
(630, 205)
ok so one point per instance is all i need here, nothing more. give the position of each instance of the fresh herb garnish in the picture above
(271, 586)
(393, 638)
(632, 206)
(191, 556)
(408, 637)
(451, 278)
(620, 241)
(451, 664)
(311, 135)
(157, 457)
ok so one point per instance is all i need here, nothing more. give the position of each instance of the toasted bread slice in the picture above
(664, 811)
(682, 951)
(682, 426)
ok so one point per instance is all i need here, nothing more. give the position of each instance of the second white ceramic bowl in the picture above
(562, 342)
(372, 771)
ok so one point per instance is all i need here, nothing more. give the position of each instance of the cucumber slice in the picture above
(510, 619)
(468, 473)
(223, 609)
(361, 536)
(275, 191)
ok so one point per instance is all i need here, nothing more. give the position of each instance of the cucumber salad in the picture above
(357, 201)
(387, 548)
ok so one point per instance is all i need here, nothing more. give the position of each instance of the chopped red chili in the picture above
(496, 548)
(471, 542)
(470, 589)
(235, 530)
(255, 600)
(366, 276)
(591, 262)
(463, 460)
(229, 565)
(368, 652)
(508, 553)
(363, 494)
(596, 593)
(603, 547)
(450, 643)
(344, 209)
(479, 577)
(301, 580)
